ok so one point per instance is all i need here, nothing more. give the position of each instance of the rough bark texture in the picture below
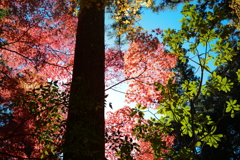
(85, 124)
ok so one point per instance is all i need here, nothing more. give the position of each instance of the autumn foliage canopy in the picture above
(37, 45)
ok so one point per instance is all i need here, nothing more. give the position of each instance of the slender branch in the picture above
(32, 59)
(11, 155)
(200, 65)
(154, 114)
(121, 91)
(16, 135)
(127, 79)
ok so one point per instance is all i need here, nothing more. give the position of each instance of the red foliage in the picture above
(40, 38)
(146, 63)
(39, 35)
(114, 64)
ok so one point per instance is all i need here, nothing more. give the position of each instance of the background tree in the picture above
(215, 105)
(235, 6)
(184, 71)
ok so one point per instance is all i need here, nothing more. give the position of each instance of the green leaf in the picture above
(228, 109)
(198, 144)
(133, 113)
(232, 114)
(46, 153)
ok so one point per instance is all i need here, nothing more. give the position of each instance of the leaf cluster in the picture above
(47, 107)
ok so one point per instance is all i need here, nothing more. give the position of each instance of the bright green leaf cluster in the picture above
(179, 102)
(232, 107)
(219, 83)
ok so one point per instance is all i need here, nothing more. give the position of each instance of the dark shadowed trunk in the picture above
(85, 124)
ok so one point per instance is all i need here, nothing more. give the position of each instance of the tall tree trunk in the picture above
(85, 124)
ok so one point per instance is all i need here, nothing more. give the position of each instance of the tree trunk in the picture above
(84, 139)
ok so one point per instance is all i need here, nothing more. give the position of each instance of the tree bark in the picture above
(84, 138)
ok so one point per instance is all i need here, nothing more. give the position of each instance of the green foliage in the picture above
(219, 83)
(180, 99)
(3, 13)
(46, 106)
(157, 6)
(232, 107)
(219, 104)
